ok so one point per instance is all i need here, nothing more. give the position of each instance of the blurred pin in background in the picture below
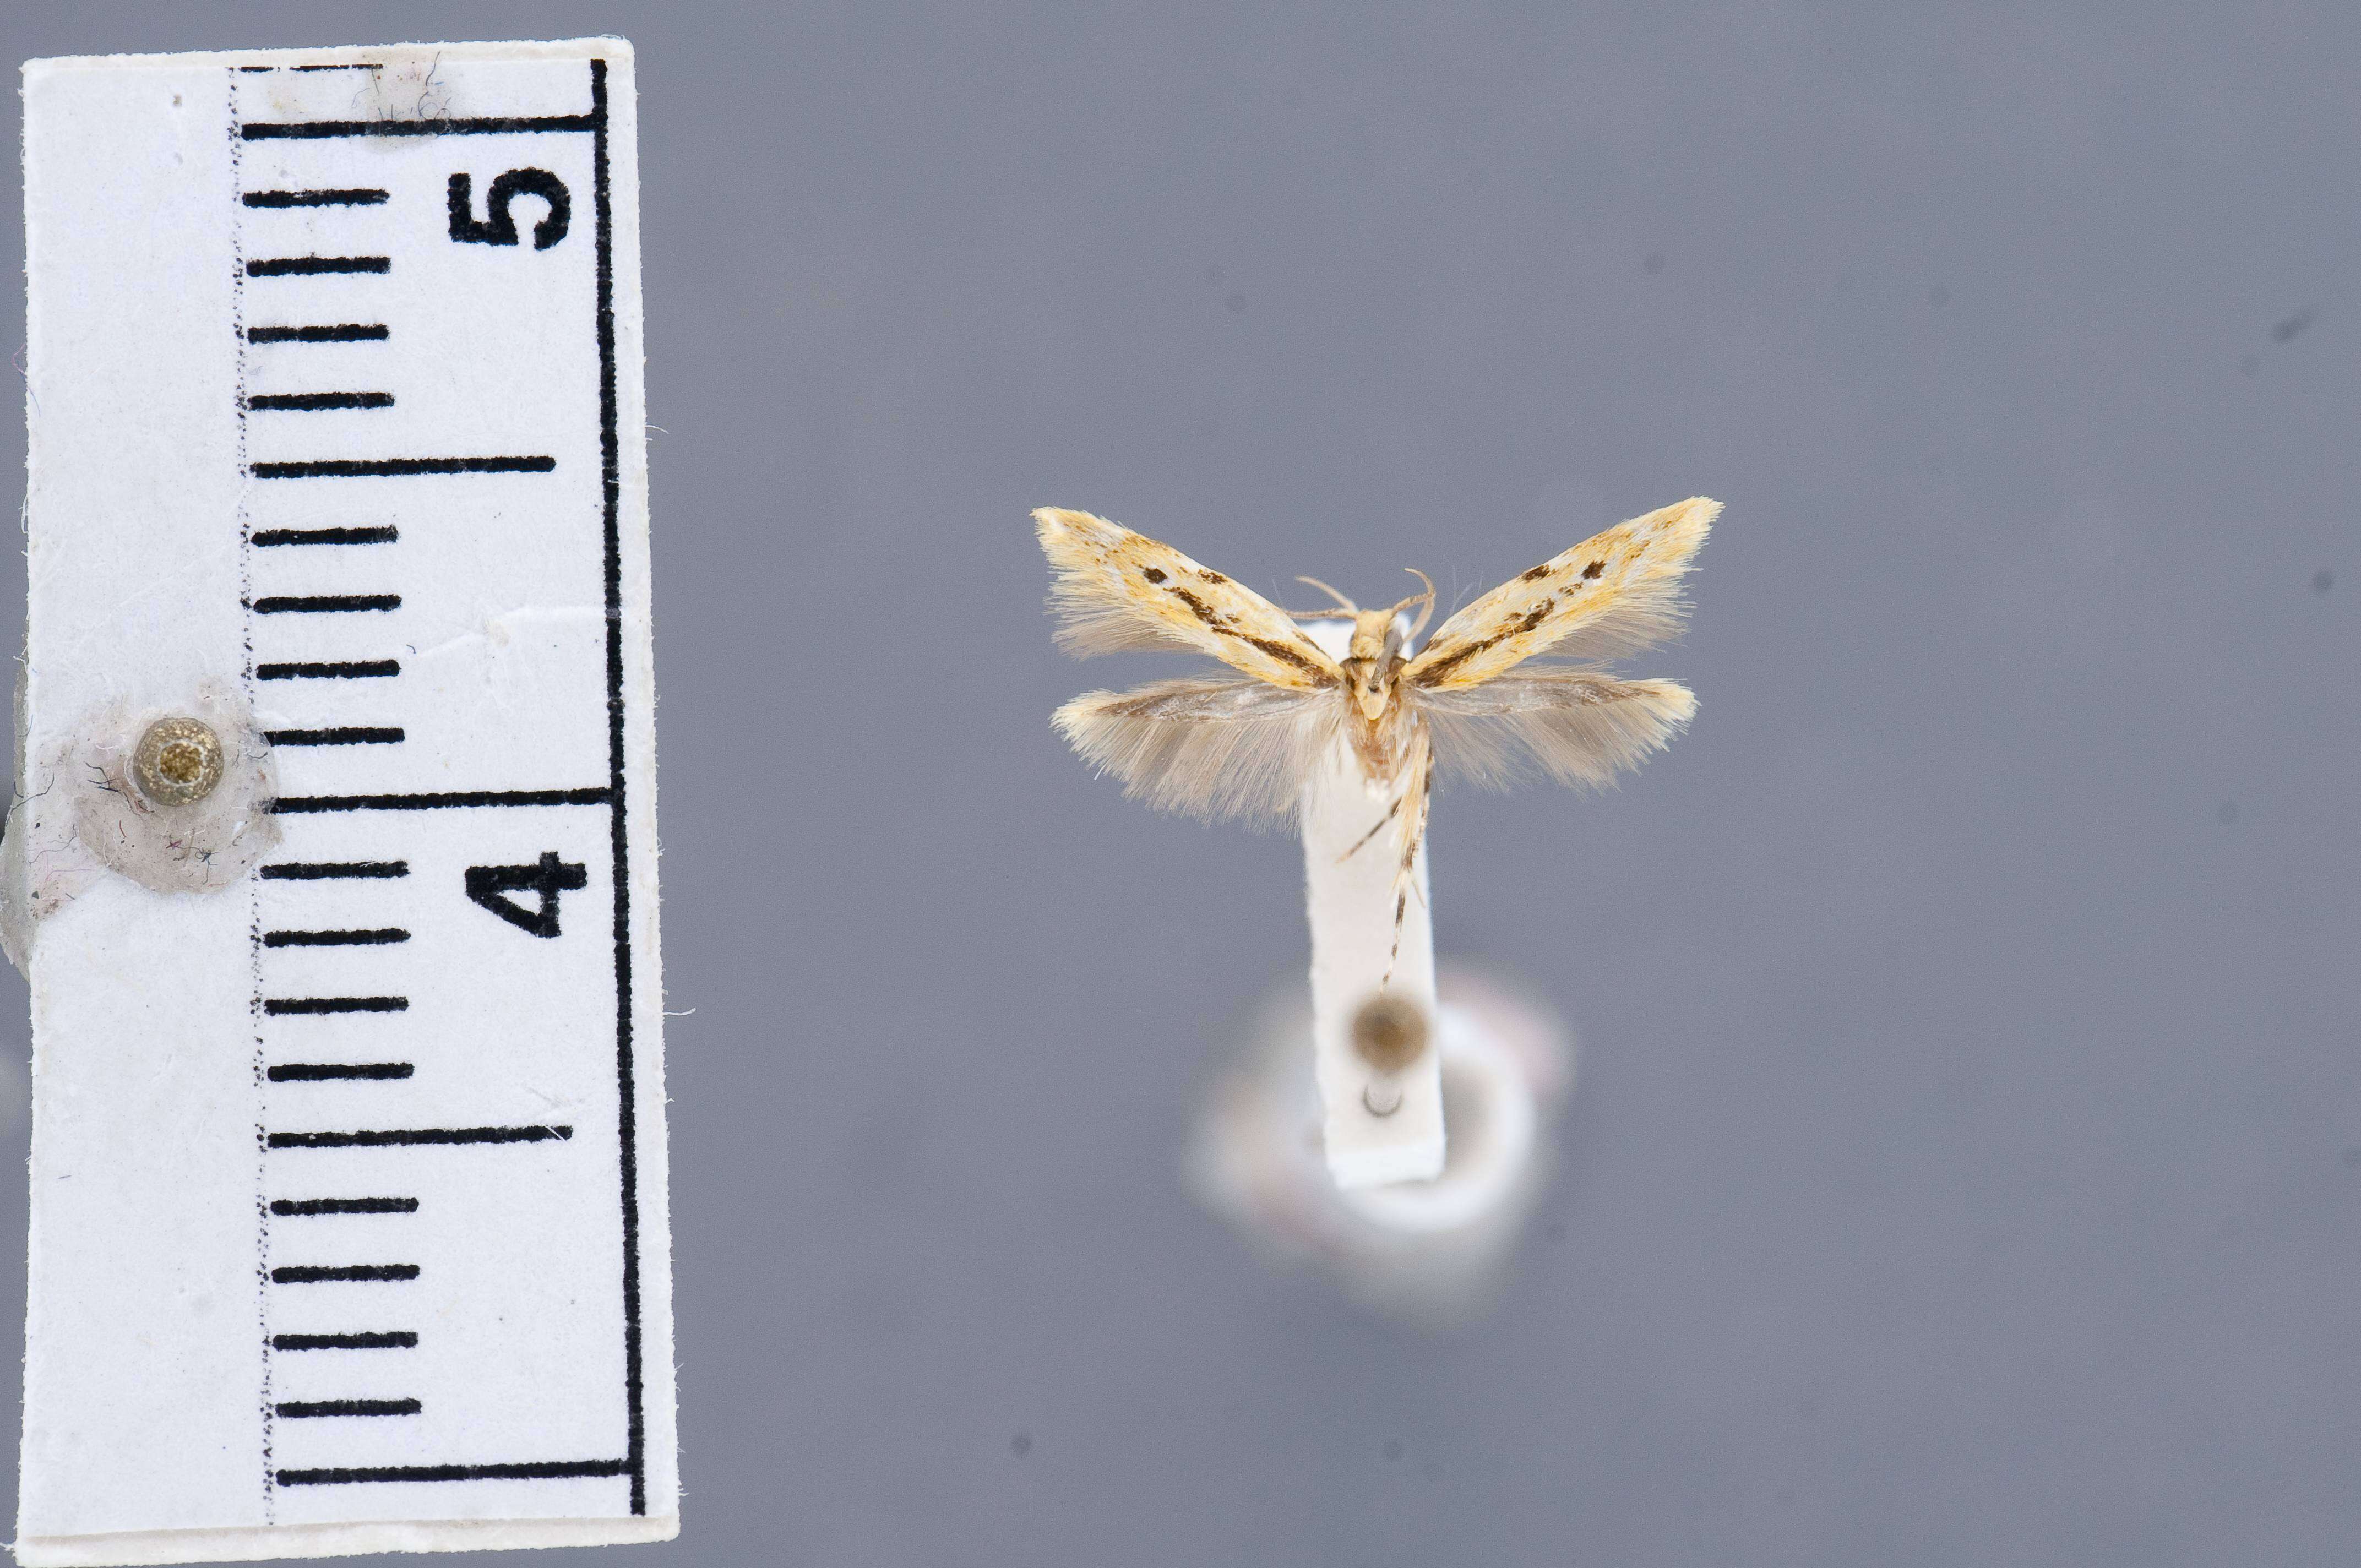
(1432, 1253)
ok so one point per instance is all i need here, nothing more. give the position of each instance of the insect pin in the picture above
(1473, 701)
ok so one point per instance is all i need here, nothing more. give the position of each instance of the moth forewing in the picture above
(1614, 593)
(1115, 588)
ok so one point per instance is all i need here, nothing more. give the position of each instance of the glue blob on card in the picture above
(333, 863)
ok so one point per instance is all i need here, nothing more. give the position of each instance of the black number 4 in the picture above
(499, 224)
(549, 876)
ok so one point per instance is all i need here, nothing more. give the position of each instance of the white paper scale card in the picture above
(348, 1198)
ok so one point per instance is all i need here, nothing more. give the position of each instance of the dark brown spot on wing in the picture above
(1278, 651)
(1594, 569)
(1441, 666)
(1210, 575)
(1535, 575)
(1287, 655)
(1532, 619)
(1152, 574)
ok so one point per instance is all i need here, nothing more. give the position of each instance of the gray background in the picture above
(1967, 1163)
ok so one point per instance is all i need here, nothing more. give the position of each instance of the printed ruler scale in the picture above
(403, 553)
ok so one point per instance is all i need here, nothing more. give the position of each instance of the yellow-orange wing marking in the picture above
(1115, 588)
(1614, 593)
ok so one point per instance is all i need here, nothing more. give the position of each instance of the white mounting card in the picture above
(348, 1187)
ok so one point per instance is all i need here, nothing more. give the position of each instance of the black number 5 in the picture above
(499, 226)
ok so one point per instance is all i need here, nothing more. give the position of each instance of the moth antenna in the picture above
(1350, 608)
(1426, 602)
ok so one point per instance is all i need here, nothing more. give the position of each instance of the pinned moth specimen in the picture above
(1470, 701)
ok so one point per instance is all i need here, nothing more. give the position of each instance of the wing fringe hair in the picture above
(1578, 726)
(1208, 748)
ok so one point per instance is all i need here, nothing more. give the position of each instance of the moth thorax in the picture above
(1370, 683)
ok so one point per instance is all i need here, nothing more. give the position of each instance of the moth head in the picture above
(1376, 638)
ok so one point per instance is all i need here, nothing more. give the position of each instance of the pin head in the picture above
(177, 763)
(1391, 1032)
